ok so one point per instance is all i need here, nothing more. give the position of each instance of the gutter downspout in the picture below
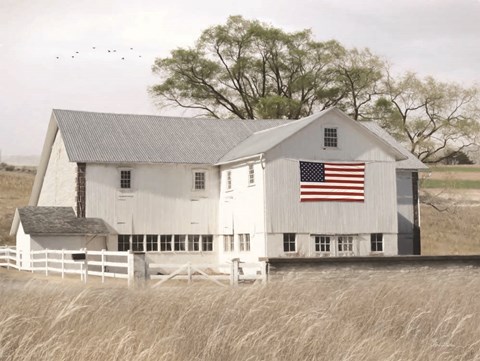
(263, 165)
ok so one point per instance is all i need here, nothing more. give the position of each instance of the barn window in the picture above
(322, 244)
(125, 179)
(345, 246)
(207, 242)
(376, 242)
(152, 242)
(229, 180)
(137, 243)
(289, 244)
(228, 243)
(330, 137)
(179, 242)
(123, 242)
(199, 180)
(194, 242)
(244, 242)
(251, 175)
(165, 242)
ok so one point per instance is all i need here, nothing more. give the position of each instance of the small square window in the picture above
(199, 181)
(123, 242)
(179, 242)
(194, 242)
(251, 175)
(322, 244)
(229, 180)
(345, 245)
(376, 242)
(228, 243)
(289, 244)
(125, 179)
(207, 243)
(166, 242)
(244, 242)
(152, 242)
(330, 137)
(137, 243)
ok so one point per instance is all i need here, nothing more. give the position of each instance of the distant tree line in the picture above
(250, 70)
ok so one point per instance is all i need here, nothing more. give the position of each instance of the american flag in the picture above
(332, 182)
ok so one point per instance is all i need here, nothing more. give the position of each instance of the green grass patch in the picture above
(451, 184)
(454, 169)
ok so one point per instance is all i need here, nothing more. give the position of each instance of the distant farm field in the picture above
(422, 315)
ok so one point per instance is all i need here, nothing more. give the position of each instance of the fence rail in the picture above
(121, 265)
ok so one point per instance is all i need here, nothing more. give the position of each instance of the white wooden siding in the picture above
(161, 200)
(59, 183)
(241, 210)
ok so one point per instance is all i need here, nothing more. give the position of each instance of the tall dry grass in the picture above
(345, 315)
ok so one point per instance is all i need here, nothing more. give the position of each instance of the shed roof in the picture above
(58, 220)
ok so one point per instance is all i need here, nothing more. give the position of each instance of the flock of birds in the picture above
(94, 48)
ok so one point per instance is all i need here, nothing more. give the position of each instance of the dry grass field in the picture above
(419, 315)
(15, 188)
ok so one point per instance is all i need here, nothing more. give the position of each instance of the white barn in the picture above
(209, 190)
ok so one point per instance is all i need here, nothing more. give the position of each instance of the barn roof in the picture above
(126, 138)
(58, 220)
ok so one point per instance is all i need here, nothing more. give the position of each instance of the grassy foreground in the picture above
(390, 315)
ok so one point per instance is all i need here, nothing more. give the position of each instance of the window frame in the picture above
(350, 251)
(166, 240)
(329, 139)
(194, 180)
(323, 244)
(229, 185)
(244, 242)
(228, 243)
(374, 241)
(151, 241)
(193, 243)
(206, 240)
(287, 241)
(130, 178)
(123, 243)
(182, 241)
(138, 239)
(251, 174)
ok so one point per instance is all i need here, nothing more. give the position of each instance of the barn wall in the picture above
(57, 242)
(161, 201)
(242, 210)
(59, 183)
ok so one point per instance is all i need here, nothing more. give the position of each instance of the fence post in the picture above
(81, 271)
(103, 266)
(86, 266)
(31, 260)
(7, 254)
(19, 260)
(131, 269)
(189, 270)
(46, 261)
(264, 272)
(234, 272)
(63, 263)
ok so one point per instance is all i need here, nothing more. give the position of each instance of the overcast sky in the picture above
(431, 37)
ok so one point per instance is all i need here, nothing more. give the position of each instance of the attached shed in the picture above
(57, 228)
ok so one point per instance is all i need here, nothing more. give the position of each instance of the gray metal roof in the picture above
(264, 140)
(412, 162)
(58, 220)
(125, 138)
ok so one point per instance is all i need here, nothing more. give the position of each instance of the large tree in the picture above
(248, 69)
(436, 120)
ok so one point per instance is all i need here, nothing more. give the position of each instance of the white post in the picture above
(63, 263)
(7, 254)
(31, 260)
(81, 271)
(234, 272)
(131, 269)
(46, 261)
(103, 266)
(264, 272)
(19, 260)
(189, 270)
(86, 266)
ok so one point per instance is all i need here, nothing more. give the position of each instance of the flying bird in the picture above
(123, 58)
(93, 47)
(77, 52)
(131, 48)
(73, 56)
(109, 51)
(114, 51)
(58, 57)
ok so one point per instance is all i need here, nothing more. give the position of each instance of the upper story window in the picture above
(330, 138)
(199, 180)
(125, 179)
(289, 244)
(251, 175)
(229, 180)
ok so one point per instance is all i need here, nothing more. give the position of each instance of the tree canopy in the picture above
(249, 70)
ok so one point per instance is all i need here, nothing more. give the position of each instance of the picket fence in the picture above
(120, 265)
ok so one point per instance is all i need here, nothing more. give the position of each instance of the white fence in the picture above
(110, 264)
